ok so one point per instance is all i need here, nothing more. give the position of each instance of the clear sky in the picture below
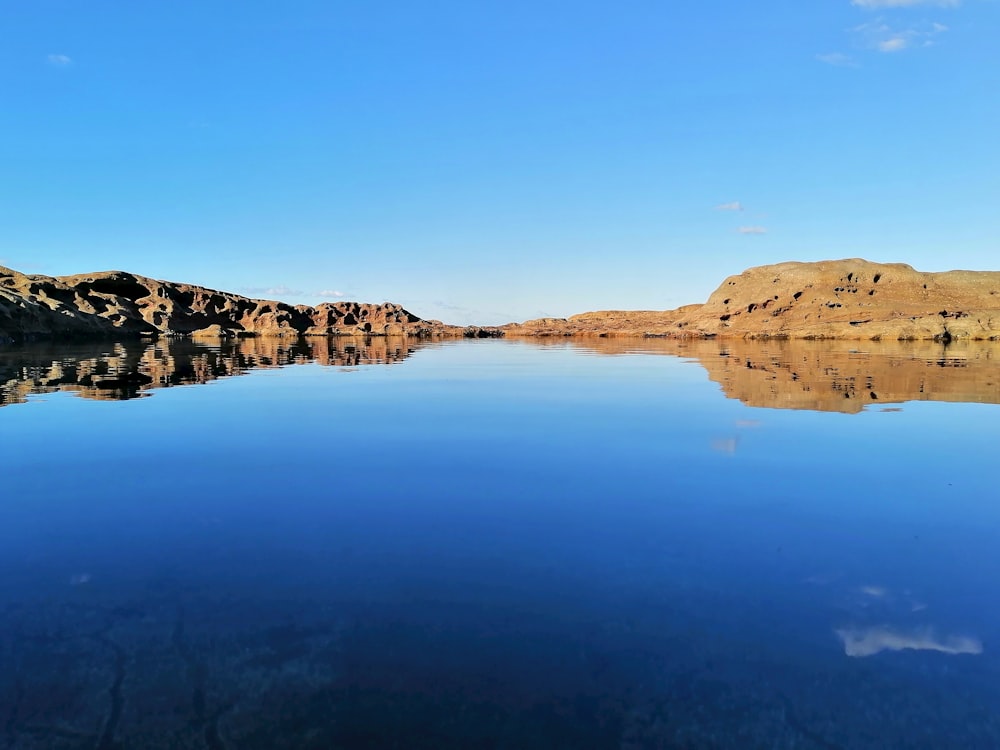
(487, 161)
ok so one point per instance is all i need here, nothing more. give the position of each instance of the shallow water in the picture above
(498, 544)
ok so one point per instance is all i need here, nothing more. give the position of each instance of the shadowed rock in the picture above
(838, 299)
(115, 304)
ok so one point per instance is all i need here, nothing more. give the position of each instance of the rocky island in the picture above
(838, 299)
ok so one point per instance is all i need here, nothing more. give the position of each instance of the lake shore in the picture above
(850, 299)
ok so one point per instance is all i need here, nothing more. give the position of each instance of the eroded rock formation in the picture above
(114, 304)
(837, 299)
(852, 299)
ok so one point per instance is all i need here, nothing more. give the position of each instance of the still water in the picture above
(499, 544)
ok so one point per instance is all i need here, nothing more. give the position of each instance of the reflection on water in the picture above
(871, 641)
(841, 376)
(121, 371)
(813, 375)
(499, 545)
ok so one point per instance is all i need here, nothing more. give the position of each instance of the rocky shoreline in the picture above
(115, 304)
(851, 299)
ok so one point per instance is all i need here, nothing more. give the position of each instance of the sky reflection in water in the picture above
(500, 544)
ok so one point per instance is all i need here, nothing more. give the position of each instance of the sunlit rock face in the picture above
(837, 299)
(840, 299)
(117, 303)
(851, 299)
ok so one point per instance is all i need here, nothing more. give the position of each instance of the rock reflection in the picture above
(841, 376)
(121, 371)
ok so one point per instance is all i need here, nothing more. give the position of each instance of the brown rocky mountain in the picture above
(839, 299)
(113, 304)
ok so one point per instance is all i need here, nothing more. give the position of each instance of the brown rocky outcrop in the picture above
(837, 299)
(114, 304)
(606, 323)
(851, 299)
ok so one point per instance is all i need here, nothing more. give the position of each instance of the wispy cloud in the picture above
(875, 4)
(887, 33)
(884, 37)
(838, 59)
(59, 61)
(733, 206)
(752, 230)
(861, 642)
(893, 44)
(273, 291)
(729, 446)
(329, 293)
(460, 314)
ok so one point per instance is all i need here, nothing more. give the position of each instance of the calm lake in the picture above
(499, 544)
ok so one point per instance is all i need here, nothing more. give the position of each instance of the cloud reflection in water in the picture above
(861, 642)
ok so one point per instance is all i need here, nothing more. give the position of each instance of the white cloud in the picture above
(282, 290)
(881, 36)
(60, 61)
(874, 4)
(893, 44)
(752, 230)
(272, 292)
(838, 59)
(862, 642)
(734, 206)
(329, 293)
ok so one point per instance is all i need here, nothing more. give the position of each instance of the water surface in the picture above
(498, 544)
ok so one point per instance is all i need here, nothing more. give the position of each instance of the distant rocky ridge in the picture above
(837, 299)
(115, 304)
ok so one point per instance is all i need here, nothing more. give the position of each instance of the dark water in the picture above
(499, 545)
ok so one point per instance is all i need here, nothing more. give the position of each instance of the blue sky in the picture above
(496, 161)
